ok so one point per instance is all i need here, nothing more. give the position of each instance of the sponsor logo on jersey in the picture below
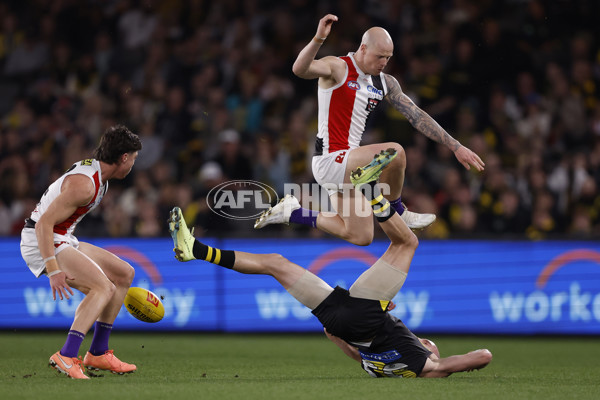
(374, 90)
(353, 85)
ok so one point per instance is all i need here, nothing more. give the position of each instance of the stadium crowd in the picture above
(208, 86)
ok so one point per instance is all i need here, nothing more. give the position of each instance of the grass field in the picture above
(202, 366)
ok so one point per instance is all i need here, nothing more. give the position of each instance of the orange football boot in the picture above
(107, 362)
(70, 366)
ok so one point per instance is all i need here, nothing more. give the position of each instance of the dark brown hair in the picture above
(116, 141)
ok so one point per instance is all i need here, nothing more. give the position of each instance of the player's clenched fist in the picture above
(325, 25)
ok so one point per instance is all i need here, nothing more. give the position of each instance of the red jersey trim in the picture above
(340, 110)
(64, 226)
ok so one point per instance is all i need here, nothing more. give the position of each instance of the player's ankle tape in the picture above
(383, 210)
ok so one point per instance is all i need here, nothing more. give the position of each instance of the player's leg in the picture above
(346, 223)
(393, 176)
(394, 172)
(353, 220)
(303, 285)
(88, 278)
(306, 287)
(121, 274)
(384, 278)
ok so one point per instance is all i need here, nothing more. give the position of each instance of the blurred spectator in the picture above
(234, 164)
(147, 222)
(27, 58)
(136, 25)
(271, 163)
(244, 103)
(543, 219)
(508, 214)
(173, 122)
(196, 205)
(11, 36)
(153, 147)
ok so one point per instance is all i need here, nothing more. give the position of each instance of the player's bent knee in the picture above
(124, 274)
(361, 241)
(413, 241)
(401, 157)
(274, 261)
(360, 238)
(408, 240)
(110, 289)
(129, 274)
(104, 287)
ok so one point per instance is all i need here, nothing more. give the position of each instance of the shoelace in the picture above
(110, 356)
(79, 363)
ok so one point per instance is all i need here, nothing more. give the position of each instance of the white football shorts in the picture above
(329, 170)
(31, 251)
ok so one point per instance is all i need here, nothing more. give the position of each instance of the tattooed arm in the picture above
(427, 125)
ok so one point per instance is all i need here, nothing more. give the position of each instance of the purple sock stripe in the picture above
(73, 343)
(398, 206)
(304, 216)
(100, 340)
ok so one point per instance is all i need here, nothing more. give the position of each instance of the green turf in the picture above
(201, 366)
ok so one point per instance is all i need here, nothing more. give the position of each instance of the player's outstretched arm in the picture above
(443, 367)
(428, 126)
(77, 190)
(348, 350)
(306, 66)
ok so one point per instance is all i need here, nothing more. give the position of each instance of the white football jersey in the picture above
(89, 168)
(344, 108)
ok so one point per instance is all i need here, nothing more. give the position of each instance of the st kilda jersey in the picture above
(89, 168)
(345, 108)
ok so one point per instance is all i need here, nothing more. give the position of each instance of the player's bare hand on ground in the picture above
(325, 24)
(467, 158)
(59, 285)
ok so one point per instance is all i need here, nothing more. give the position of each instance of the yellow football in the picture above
(144, 305)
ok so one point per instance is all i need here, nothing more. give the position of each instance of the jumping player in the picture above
(349, 89)
(49, 248)
(356, 320)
